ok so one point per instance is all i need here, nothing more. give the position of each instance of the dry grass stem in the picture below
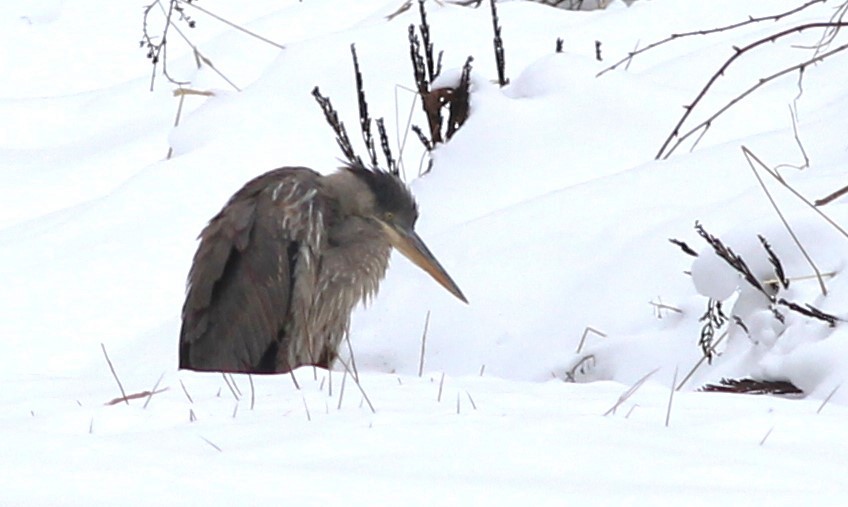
(751, 158)
(112, 369)
(358, 385)
(473, 405)
(766, 436)
(701, 361)
(670, 398)
(210, 443)
(252, 391)
(186, 392)
(826, 400)
(441, 385)
(342, 390)
(232, 390)
(585, 335)
(423, 344)
(153, 391)
(630, 391)
(306, 407)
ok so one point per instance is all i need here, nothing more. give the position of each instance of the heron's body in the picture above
(280, 268)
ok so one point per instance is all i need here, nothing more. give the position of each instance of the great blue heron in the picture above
(280, 268)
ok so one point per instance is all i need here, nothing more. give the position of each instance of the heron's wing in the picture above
(240, 283)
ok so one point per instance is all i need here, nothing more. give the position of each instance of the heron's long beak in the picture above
(410, 245)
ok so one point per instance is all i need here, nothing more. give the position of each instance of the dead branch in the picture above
(667, 148)
(499, 48)
(751, 158)
(775, 17)
(114, 374)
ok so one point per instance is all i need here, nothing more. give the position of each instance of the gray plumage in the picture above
(280, 268)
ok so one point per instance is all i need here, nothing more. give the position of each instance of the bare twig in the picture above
(359, 385)
(252, 391)
(775, 17)
(233, 25)
(232, 390)
(586, 331)
(306, 407)
(153, 391)
(766, 436)
(670, 398)
(441, 385)
(423, 344)
(473, 405)
(704, 357)
(134, 396)
(499, 49)
(668, 148)
(186, 392)
(112, 369)
(751, 158)
(630, 391)
(210, 443)
(827, 399)
(342, 390)
(831, 197)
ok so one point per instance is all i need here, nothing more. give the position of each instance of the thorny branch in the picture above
(668, 148)
(775, 17)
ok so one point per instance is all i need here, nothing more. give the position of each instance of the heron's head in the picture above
(395, 210)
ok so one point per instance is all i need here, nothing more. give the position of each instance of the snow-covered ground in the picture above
(547, 208)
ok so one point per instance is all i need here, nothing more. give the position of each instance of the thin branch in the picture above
(667, 148)
(232, 390)
(153, 391)
(112, 368)
(233, 25)
(586, 332)
(750, 157)
(775, 17)
(630, 391)
(670, 398)
(423, 344)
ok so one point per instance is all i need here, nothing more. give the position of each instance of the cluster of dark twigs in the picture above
(752, 386)
(338, 127)
(714, 318)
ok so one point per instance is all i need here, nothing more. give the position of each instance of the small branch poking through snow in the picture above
(186, 392)
(213, 445)
(586, 331)
(423, 344)
(701, 361)
(252, 391)
(766, 436)
(775, 17)
(112, 369)
(629, 392)
(827, 399)
(751, 158)
(153, 391)
(227, 381)
(670, 398)
(499, 48)
(364, 117)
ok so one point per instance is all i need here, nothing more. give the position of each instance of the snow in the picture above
(547, 207)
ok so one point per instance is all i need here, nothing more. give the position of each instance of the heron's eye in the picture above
(388, 216)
